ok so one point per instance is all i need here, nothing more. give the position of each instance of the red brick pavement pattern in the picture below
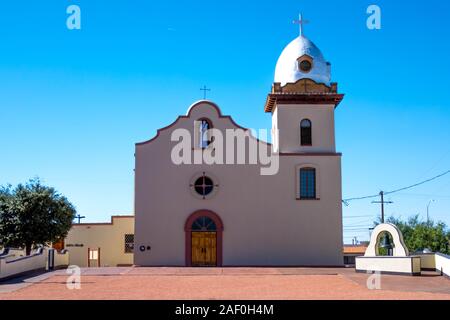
(232, 283)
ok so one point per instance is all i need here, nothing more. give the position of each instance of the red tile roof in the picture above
(354, 249)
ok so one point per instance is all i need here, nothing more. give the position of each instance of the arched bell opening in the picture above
(385, 244)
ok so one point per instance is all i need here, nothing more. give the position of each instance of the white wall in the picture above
(443, 263)
(15, 253)
(12, 266)
(407, 265)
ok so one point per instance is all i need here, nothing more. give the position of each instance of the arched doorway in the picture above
(203, 231)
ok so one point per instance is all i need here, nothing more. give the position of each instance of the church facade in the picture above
(246, 211)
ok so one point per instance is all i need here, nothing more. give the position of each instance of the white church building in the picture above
(239, 213)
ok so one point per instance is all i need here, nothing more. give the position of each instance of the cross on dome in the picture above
(300, 22)
(302, 50)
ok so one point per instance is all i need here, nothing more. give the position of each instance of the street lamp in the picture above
(428, 209)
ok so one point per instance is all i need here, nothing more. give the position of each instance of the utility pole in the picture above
(428, 208)
(382, 202)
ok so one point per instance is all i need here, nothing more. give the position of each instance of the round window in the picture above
(305, 66)
(204, 186)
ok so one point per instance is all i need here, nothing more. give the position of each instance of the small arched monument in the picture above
(399, 248)
(398, 262)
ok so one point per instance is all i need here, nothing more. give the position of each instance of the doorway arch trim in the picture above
(188, 237)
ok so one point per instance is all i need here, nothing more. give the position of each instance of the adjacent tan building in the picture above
(101, 244)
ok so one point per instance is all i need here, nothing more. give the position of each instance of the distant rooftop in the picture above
(354, 249)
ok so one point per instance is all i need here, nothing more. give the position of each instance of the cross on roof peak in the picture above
(204, 89)
(300, 22)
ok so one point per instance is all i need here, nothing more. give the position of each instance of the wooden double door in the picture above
(204, 249)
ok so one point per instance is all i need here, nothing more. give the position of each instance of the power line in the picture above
(358, 227)
(418, 184)
(358, 223)
(361, 223)
(346, 201)
(439, 161)
(351, 217)
(355, 225)
(415, 195)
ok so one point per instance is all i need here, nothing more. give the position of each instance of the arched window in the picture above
(204, 224)
(204, 134)
(306, 132)
(308, 183)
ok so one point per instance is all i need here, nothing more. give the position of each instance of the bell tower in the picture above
(302, 100)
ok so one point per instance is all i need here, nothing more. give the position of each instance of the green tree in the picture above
(422, 234)
(32, 214)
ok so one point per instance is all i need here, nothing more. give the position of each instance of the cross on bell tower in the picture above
(300, 22)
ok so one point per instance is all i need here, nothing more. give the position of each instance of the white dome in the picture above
(287, 69)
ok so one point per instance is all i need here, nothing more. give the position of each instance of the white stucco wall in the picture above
(443, 264)
(16, 264)
(264, 223)
(14, 253)
(11, 265)
(389, 264)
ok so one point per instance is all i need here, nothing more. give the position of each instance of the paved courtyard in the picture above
(224, 283)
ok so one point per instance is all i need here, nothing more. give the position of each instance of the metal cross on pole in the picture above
(204, 89)
(79, 218)
(300, 22)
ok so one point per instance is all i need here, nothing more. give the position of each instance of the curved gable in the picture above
(200, 109)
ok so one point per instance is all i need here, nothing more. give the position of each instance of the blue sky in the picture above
(74, 102)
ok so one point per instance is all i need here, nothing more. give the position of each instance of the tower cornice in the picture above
(304, 91)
